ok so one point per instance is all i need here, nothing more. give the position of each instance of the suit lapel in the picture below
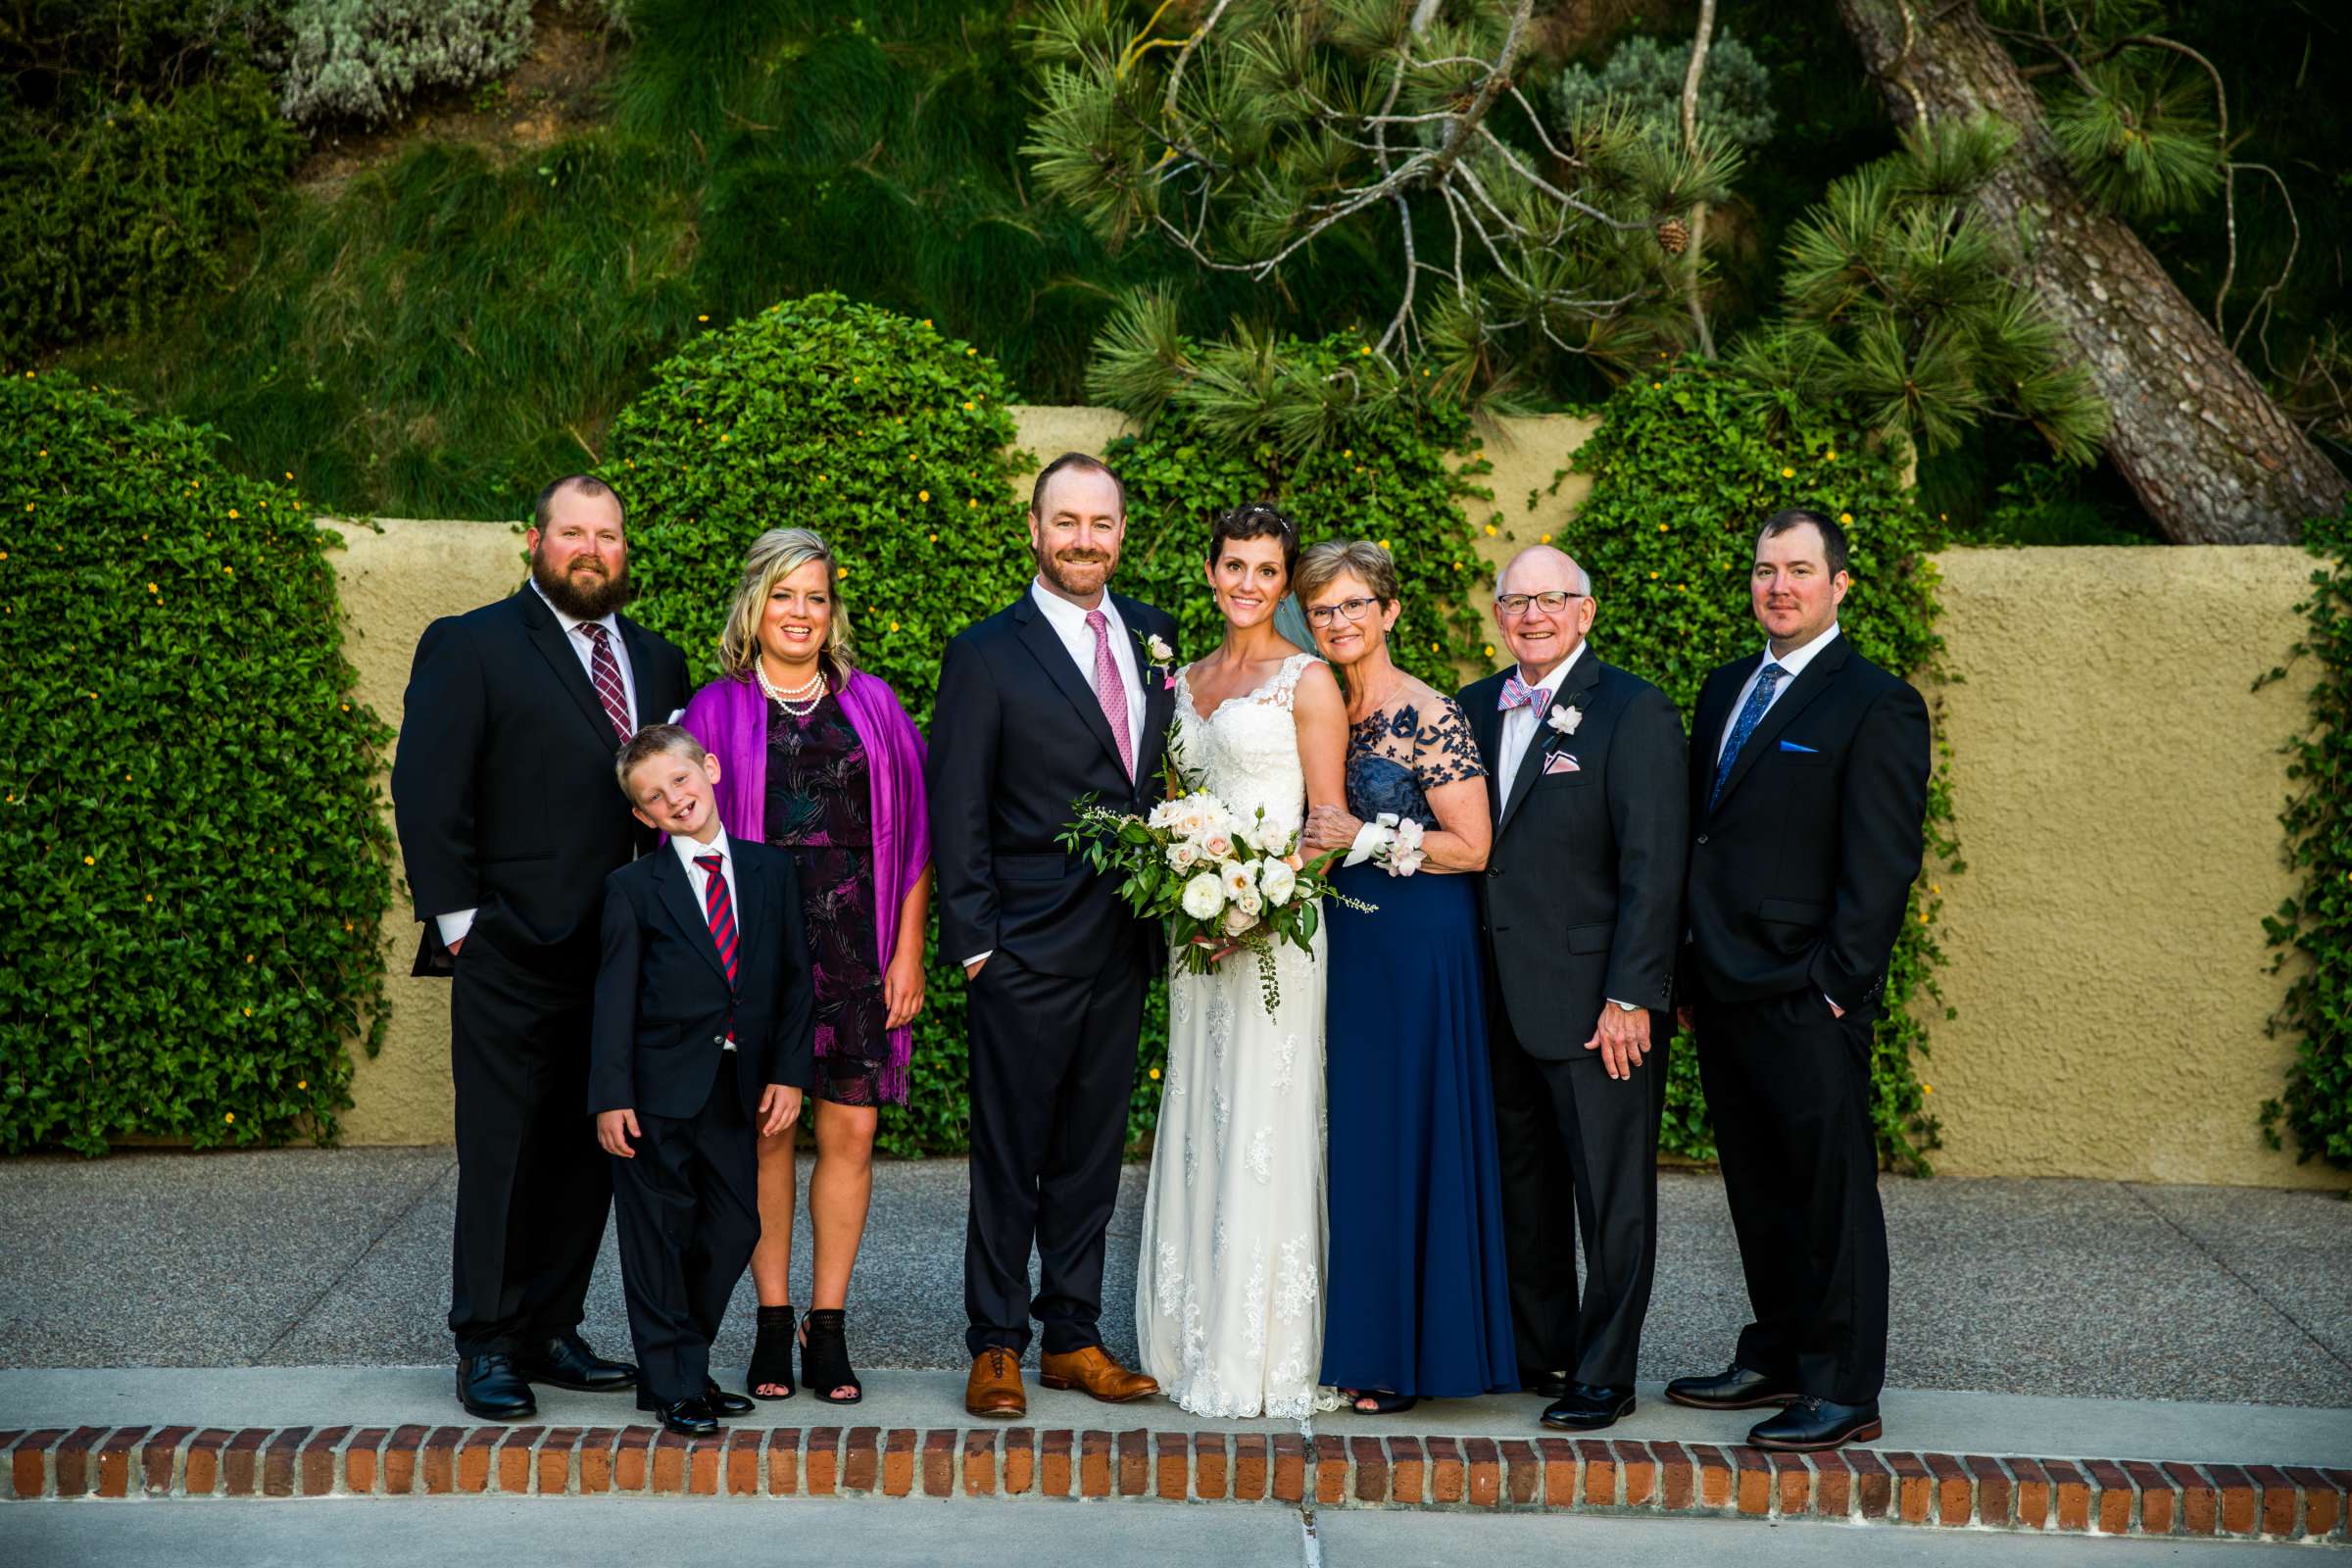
(1573, 685)
(555, 646)
(1814, 680)
(678, 900)
(1485, 727)
(1159, 703)
(649, 708)
(1045, 645)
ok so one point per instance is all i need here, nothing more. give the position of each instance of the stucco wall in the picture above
(2118, 788)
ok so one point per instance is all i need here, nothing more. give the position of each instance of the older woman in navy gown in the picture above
(1419, 1304)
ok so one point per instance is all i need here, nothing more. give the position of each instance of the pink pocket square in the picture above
(1560, 763)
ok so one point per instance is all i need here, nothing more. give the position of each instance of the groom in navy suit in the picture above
(1062, 694)
(1808, 795)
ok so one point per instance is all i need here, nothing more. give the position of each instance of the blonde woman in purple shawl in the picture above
(819, 759)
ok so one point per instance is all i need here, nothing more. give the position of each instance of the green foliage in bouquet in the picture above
(1681, 478)
(2317, 1104)
(197, 860)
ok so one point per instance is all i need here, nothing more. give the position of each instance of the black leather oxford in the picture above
(488, 1385)
(1735, 1387)
(1586, 1407)
(565, 1362)
(1811, 1423)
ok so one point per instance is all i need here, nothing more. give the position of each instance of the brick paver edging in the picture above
(2097, 1497)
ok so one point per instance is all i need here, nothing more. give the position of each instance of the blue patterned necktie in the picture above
(1751, 713)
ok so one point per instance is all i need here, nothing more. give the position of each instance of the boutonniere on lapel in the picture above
(1159, 660)
(1562, 719)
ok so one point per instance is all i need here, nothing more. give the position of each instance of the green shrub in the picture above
(2316, 1106)
(197, 866)
(1682, 479)
(1643, 77)
(364, 60)
(120, 216)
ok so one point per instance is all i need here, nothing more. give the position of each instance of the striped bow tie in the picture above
(1517, 693)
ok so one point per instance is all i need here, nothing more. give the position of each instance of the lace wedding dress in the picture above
(1229, 1288)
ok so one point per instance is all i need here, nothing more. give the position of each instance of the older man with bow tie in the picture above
(1582, 905)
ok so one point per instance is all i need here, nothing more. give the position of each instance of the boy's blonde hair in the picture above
(655, 740)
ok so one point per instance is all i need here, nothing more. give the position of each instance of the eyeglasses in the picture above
(1353, 609)
(1553, 601)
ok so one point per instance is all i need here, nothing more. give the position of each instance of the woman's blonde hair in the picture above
(1325, 564)
(773, 556)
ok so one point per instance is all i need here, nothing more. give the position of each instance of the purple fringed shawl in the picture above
(729, 716)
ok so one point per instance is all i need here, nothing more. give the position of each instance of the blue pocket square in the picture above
(1792, 746)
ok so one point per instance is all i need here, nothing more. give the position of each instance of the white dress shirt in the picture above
(1793, 661)
(454, 926)
(699, 880)
(1070, 624)
(1519, 723)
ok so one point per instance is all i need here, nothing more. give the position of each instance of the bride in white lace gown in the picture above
(1229, 1289)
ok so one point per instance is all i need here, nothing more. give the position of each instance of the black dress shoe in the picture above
(1547, 1385)
(1811, 1423)
(489, 1386)
(566, 1362)
(1589, 1407)
(727, 1407)
(1735, 1387)
(689, 1418)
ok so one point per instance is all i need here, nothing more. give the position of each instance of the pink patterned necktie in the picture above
(606, 670)
(1517, 693)
(1109, 690)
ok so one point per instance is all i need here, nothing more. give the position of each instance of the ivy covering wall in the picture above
(197, 862)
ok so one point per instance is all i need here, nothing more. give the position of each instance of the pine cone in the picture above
(1674, 237)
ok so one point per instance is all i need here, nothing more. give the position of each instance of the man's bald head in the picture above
(1541, 638)
(1540, 568)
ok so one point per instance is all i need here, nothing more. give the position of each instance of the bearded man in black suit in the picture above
(502, 792)
(1808, 800)
(1582, 905)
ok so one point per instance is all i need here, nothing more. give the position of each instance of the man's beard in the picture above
(579, 601)
(1052, 570)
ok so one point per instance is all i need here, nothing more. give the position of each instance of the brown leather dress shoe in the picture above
(995, 1386)
(1097, 1373)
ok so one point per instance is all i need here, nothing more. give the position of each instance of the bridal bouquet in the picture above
(1219, 883)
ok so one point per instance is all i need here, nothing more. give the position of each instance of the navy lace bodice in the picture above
(1394, 760)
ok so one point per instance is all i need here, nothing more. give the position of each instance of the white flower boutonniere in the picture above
(1159, 660)
(1160, 652)
(1563, 717)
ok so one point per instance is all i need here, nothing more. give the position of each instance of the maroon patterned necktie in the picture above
(606, 671)
(719, 910)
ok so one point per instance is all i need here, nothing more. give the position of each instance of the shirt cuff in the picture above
(977, 957)
(453, 927)
(1832, 1001)
(1622, 1007)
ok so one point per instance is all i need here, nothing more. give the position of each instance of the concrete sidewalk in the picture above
(311, 1257)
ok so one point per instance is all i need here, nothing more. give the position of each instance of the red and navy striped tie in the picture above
(605, 671)
(721, 910)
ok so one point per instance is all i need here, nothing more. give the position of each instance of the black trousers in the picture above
(532, 1186)
(1789, 1087)
(688, 1203)
(1570, 1133)
(1052, 1061)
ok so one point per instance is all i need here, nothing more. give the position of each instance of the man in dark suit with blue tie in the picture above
(1808, 798)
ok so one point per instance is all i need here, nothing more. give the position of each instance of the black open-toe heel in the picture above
(826, 1357)
(771, 1355)
(1384, 1401)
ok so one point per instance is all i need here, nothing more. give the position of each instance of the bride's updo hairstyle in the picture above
(1257, 521)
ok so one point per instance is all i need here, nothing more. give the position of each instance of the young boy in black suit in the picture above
(703, 1033)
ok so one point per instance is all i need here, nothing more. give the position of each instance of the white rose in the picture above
(1164, 814)
(1277, 881)
(1202, 897)
(1160, 652)
(1217, 845)
(1234, 880)
(1238, 920)
(1250, 902)
(1182, 856)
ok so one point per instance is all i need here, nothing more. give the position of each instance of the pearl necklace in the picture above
(802, 699)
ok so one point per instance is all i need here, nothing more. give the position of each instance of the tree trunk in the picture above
(2210, 455)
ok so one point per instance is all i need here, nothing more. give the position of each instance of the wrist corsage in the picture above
(1389, 842)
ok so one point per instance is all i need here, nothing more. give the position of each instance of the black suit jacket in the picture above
(502, 789)
(1582, 894)
(1016, 737)
(1801, 873)
(663, 1003)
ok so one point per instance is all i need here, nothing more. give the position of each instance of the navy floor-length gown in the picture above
(1419, 1301)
